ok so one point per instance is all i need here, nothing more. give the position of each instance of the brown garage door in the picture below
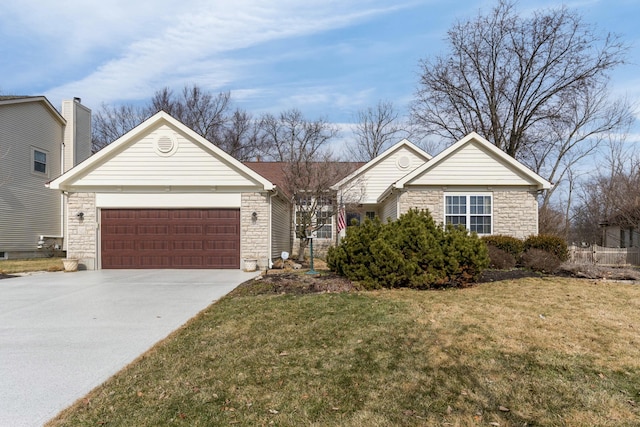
(170, 238)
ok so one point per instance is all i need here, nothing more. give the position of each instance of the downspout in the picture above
(270, 231)
(63, 205)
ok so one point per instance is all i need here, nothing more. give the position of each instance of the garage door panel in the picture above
(152, 230)
(192, 230)
(189, 245)
(170, 238)
(224, 229)
(112, 230)
(221, 245)
(151, 213)
(153, 245)
(191, 214)
(118, 245)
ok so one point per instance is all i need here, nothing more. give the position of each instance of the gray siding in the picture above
(280, 227)
(27, 208)
(77, 134)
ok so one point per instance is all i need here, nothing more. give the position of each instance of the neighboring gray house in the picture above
(37, 144)
(622, 230)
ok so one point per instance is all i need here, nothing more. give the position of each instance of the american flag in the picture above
(342, 220)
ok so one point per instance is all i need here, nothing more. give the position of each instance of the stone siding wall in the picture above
(254, 234)
(82, 234)
(424, 199)
(515, 213)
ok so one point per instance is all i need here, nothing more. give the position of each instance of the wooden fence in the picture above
(600, 255)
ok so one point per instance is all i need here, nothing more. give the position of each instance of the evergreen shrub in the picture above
(410, 252)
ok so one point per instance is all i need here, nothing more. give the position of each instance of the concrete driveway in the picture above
(62, 334)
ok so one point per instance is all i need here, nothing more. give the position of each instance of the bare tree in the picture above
(611, 193)
(309, 168)
(376, 129)
(204, 112)
(535, 86)
(242, 136)
(200, 110)
(111, 122)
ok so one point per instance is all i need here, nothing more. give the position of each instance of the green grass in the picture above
(11, 266)
(551, 351)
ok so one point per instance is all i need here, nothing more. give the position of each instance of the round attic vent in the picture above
(404, 162)
(165, 145)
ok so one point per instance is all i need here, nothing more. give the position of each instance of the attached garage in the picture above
(161, 196)
(170, 238)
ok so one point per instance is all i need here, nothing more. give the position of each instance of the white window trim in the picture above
(467, 194)
(47, 164)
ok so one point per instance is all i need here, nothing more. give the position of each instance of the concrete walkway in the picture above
(62, 334)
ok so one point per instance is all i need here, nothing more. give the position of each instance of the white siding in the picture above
(27, 208)
(140, 165)
(378, 178)
(471, 165)
(390, 208)
(280, 227)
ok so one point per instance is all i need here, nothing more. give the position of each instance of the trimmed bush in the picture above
(410, 252)
(509, 244)
(540, 260)
(501, 260)
(548, 243)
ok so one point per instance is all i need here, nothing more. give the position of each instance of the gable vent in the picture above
(165, 145)
(404, 162)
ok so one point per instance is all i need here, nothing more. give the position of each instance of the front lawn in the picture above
(11, 266)
(533, 351)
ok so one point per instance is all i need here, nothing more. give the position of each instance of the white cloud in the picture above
(195, 41)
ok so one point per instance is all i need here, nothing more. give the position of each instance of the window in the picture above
(39, 161)
(351, 216)
(370, 215)
(471, 211)
(324, 221)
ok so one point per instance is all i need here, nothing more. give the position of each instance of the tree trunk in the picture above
(302, 248)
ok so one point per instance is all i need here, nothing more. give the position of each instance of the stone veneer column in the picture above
(82, 236)
(424, 199)
(254, 235)
(515, 213)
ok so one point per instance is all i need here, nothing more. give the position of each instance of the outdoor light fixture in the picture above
(80, 215)
(254, 216)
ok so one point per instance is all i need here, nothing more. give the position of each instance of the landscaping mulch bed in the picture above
(294, 283)
(299, 283)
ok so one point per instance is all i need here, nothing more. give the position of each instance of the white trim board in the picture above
(160, 200)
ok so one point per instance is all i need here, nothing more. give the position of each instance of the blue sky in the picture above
(328, 58)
